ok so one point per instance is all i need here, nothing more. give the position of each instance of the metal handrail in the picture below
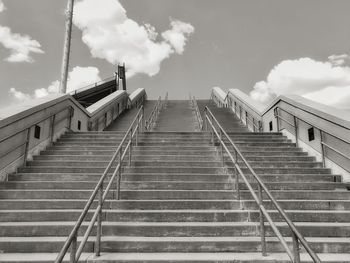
(165, 103)
(296, 235)
(198, 114)
(323, 144)
(153, 115)
(92, 85)
(120, 153)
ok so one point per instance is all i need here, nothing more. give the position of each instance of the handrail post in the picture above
(237, 178)
(130, 146)
(206, 120)
(119, 172)
(212, 136)
(262, 224)
(99, 222)
(136, 133)
(25, 155)
(296, 130)
(296, 249)
(52, 127)
(142, 117)
(277, 118)
(73, 249)
(323, 154)
(222, 148)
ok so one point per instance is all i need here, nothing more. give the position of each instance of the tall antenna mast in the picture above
(66, 48)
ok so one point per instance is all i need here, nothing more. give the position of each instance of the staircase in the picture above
(178, 200)
(123, 121)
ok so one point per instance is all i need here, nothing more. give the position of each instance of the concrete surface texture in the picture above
(177, 115)
(178, 197)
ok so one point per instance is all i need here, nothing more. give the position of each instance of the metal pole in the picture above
(262, 224)
(296, 250)
(237, 178)
(130, 147)
(120, 172)
(323, 155)
(99, 223)
(296, 130)
(26, 147)
(52, 127)
(66, 48)
(73, 248)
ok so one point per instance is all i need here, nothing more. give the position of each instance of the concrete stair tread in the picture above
(215, 257)
(175, 224)
(171, 257)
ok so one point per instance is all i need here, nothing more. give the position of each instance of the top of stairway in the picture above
(176, 116)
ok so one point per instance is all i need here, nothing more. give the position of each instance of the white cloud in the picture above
(112, 36)
(339, 60)
(319, 81)
(20, 46)
(178, 34)
(2, 6)
(77, 78)
(19, 95)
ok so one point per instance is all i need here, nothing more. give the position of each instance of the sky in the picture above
(265, 48)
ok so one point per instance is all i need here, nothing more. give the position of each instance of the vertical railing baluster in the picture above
(130, 146)
(222, 148)
(296, 249)
(99, 221)
(52, 127)
(237, 177)
(262, 223)
(296, 131)
(136, 134)
(119, 172)
(73, 249)
(323, 152)
(26, 146)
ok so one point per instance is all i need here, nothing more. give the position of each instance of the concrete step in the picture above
(180, 204)
(276, 164)
(326, 178)
(145, 169)
(215, 244)
(159, 163)
(31, 244)
(174, 194)
(198, 215)
(238, 257)
(173, 229)
(136, 151)
(175, 185)
(189, 157)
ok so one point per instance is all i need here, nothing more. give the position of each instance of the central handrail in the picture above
(75, 253)
(297, 237)
(198, 114)
(154, 115)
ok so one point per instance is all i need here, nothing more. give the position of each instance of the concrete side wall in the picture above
(331, 124)
(243, 108)
(25, 133)
(219, 97)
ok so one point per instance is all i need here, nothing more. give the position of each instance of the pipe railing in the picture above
(297, 237)
(154, 115)
(119, 155)
(198, 114)
(92, 85)
(322, 132)
(165, 103)
(249, 118)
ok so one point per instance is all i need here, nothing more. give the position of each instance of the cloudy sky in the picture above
(265, 48)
